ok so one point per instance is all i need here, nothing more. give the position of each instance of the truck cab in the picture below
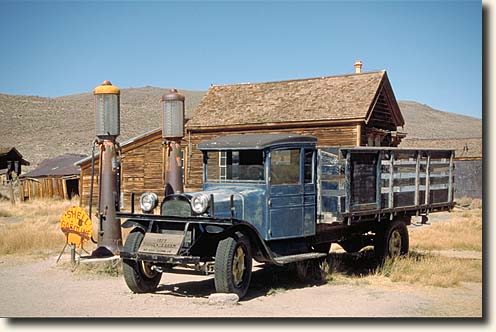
(272, 179)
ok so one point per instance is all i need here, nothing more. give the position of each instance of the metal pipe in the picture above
(92, 179)
(110, 226)
(173, 171)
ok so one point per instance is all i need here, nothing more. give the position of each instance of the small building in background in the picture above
(11, 161)
(468, 162)
(54, 178)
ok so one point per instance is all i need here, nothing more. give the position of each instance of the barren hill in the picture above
(47, 127)
(422, 122)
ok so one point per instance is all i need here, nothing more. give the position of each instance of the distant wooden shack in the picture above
(54, 178)
(11, 161)
(468, 162)
(345, 110)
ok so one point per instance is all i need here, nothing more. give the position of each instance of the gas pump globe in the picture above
(107, 106)
(173, 115)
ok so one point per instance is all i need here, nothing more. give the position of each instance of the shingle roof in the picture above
(59, 166)
(314, 99)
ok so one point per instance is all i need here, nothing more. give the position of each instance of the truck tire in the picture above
(392, 240)
(233, 262)
(139, 276)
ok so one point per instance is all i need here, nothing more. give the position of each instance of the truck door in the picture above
(286, 193)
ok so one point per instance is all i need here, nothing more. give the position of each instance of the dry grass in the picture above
(32, 227)
(432, 270)
(463, 231)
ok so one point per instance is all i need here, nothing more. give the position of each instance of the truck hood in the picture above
(244, 199)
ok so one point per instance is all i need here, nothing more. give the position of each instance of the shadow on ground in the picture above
(272, 279)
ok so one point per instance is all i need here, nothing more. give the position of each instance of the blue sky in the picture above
(432, 51)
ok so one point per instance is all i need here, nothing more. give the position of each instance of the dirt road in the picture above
(44, 289)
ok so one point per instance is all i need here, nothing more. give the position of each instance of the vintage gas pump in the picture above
(172, 133)
(107, 108)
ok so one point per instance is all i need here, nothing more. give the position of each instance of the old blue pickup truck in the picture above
(278, 199)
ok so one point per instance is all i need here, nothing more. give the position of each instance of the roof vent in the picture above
(358, 67)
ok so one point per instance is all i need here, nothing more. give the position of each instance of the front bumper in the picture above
(174, 219)
(159, 258)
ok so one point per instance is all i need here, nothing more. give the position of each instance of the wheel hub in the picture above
(395, 244)
(238, 266)
(147, 270)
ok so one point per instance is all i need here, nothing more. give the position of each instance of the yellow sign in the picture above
(76, 225)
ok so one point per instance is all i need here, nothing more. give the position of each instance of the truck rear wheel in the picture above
(233, 264)
(139, 276)
(392, 240)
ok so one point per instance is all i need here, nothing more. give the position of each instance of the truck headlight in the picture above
(199, 203)
(148, 201)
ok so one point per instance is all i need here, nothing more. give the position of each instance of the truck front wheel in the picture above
(233, 263)
(392, 240)
(139, 276)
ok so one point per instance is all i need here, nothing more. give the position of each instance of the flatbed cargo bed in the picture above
(369, 181)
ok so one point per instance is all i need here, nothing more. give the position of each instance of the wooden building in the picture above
(468, 162)
(10, 161)
(346, 110)
(53, 178)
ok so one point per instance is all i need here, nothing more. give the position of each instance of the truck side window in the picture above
(285, 166)
(308, 166)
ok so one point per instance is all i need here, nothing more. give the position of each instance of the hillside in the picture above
(47, 127)
(422, 122)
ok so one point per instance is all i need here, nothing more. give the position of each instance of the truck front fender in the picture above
(261, 252)
(141, 224)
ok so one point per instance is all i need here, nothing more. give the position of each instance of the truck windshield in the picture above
(235, 166)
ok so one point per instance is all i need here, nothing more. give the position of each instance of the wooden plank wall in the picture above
(141, 168)
(51, 187)
(381, 115)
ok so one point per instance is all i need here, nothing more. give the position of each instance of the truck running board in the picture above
(298, 258)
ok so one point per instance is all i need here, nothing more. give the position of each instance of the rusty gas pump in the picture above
(107, 109)
(172, 133)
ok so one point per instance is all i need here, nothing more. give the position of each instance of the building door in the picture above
(286, 194)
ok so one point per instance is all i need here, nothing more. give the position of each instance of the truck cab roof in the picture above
(254, 141)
